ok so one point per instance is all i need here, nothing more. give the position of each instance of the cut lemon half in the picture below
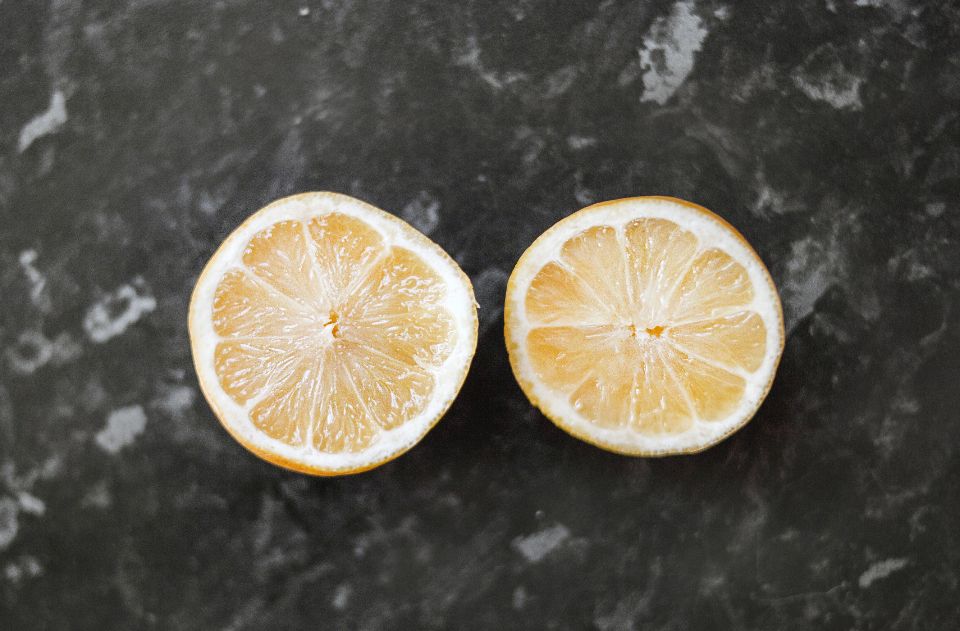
(646, 326)
(329, 336)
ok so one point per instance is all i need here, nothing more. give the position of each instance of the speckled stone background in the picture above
(135, 136)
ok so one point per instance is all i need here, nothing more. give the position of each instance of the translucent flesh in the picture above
(643, 329)
(329, 336)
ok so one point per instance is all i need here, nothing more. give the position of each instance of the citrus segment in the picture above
(660, 404)
(330, 336)
(239, 365)
(345, 246)
(737, 340)
(646, 326)
(658, 251)
(280, 257)
(565, 355)
(596, 258)
(713, 391)
(713, 283)
(245, 307)
(557, 296)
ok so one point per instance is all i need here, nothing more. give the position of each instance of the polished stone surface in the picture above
(134, 136)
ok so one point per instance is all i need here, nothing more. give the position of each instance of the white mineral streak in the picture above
(668, 52)
(534, 547)
(122, 428)
(101, 325)
(46, 123)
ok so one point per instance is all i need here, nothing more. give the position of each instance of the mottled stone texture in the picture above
(135, 136)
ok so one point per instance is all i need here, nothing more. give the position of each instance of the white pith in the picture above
(459, 302)
(711, 233)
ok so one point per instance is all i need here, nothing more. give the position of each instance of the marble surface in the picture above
(134, 136)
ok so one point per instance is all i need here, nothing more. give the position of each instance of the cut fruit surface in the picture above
(646, 326)
(329, 336)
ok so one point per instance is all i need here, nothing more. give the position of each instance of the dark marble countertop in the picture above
(134, 136)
